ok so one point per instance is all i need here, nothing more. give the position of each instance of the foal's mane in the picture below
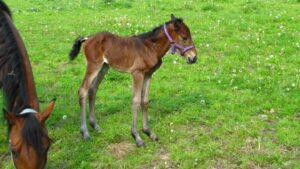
(155, 31)
(13, 82)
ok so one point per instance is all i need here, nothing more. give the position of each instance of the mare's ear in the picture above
(44, 116)
(10, 117)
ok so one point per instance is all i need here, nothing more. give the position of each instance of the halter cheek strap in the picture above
(175, 45)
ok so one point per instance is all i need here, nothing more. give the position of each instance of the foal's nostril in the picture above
(195, 59)
(192, 59)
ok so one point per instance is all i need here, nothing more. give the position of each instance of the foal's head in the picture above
(29, 141)
(183, 42)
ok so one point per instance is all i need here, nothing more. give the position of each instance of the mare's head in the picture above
(28, 137)
(182, 41)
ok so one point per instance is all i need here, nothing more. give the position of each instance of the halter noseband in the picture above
(175, 45)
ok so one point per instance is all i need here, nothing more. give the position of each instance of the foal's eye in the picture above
(185, 38)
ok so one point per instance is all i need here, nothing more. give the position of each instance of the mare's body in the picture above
(28, 138)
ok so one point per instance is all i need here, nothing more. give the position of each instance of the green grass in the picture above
(238, 107)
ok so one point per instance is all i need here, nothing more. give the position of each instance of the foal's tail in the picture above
(76, 47)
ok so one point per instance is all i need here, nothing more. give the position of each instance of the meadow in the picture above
(237, 107)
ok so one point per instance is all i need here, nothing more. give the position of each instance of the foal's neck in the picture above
(160, 43)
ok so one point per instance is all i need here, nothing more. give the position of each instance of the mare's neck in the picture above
(30, 89)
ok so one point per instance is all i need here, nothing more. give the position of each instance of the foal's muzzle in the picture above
(191, 59)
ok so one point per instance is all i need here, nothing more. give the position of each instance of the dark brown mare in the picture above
(138, 55)
(28, 138)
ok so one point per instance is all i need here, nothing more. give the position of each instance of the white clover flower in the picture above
(202, 101)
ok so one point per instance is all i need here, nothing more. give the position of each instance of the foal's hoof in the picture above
(150, 134)
(97, 128)
(140, 143)
(153, 137)
(85, 136)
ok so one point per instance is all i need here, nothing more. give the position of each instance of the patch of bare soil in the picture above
(162, 161)
(121, 149)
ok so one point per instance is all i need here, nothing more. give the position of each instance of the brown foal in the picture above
(140, 56)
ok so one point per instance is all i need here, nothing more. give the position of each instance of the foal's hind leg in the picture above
(92, 94)
(138, 79)
(91, 73)
(145, 100)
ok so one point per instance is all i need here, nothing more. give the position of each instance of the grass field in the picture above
(237, 107)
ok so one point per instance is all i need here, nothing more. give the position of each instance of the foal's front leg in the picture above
(145, 100)
(138, 78)
(91, 73)
(92, 95)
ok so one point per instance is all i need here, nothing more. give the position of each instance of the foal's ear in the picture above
(44, 116)
(176, 21)
(10, 117)
(173, 18)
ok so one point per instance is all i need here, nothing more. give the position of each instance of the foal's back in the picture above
(121, 53)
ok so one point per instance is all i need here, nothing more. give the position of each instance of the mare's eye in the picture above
(14, 153)
(185, 38)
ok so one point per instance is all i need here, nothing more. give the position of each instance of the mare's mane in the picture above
(4, 7)
(11, 68)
